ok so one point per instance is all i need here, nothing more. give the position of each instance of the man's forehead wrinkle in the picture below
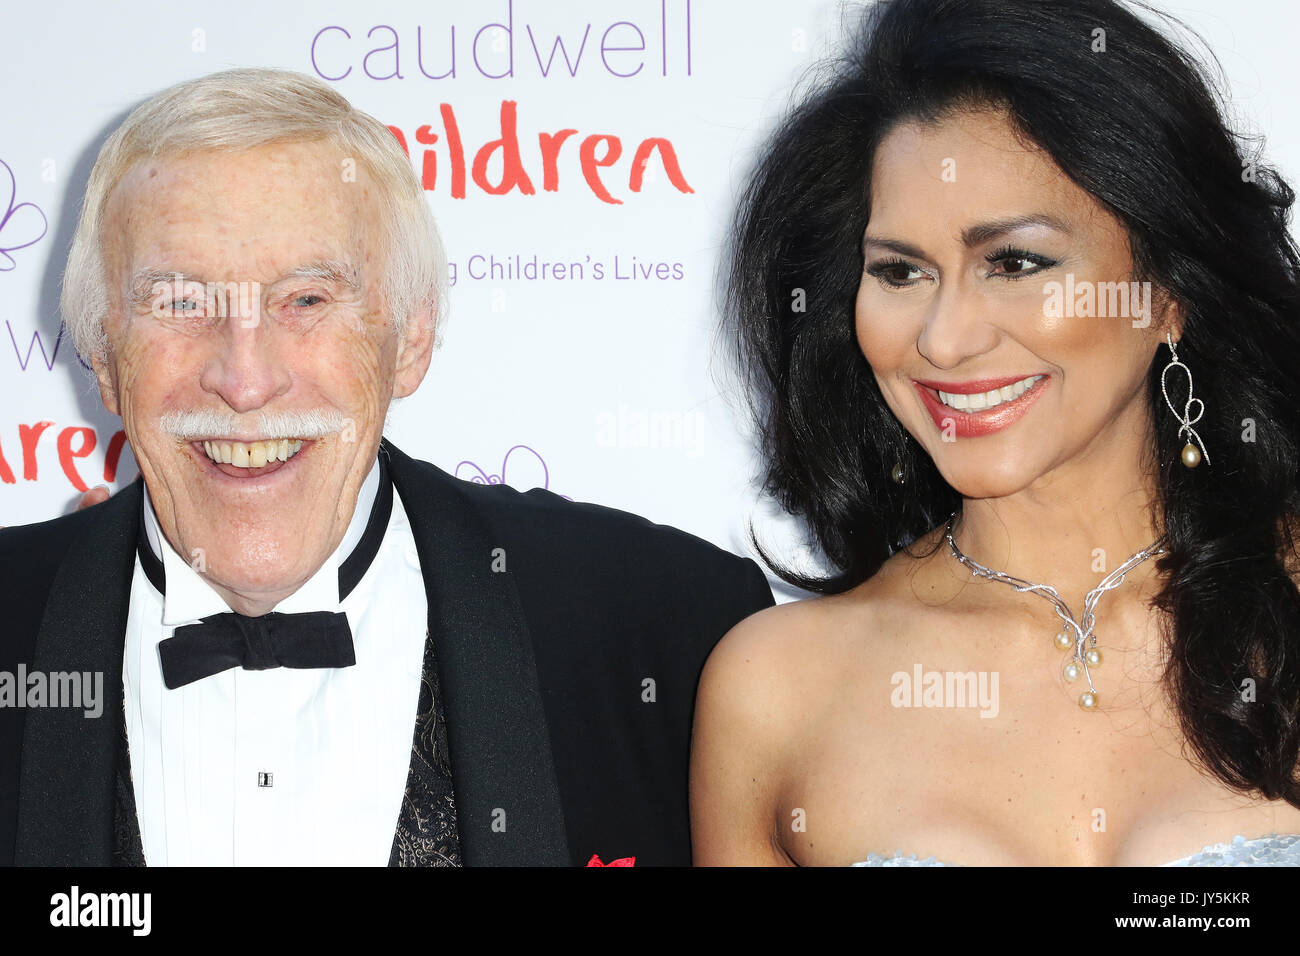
(164, 224)
(212, 178)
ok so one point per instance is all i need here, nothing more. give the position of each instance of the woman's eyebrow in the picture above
(977, 234)
(983, 232)
(897, 245)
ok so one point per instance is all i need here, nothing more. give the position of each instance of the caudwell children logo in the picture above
(596, 152)
(634, 38)
(73, 443)
(522, 469)
(635, 42)
(21, 225)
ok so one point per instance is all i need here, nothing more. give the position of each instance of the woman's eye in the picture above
(1014, 265)
(303, 300)
(896, 273)
(186, 305)
(1017, 262)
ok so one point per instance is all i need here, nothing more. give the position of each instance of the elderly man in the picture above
(314, 648)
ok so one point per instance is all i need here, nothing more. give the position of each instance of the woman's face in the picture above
(987, 268)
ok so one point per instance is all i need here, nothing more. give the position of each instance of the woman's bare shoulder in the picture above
(770, 688)
(789, 650)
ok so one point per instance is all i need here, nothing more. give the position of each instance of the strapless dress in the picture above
(1272, 850)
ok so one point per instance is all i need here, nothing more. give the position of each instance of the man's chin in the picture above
(231, 577)
(252, 559)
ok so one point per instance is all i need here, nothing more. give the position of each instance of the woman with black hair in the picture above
(1021, 321)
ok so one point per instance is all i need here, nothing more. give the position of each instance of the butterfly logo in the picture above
(15, 228)
(525, 467)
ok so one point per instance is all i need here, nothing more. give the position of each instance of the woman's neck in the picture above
(1071, 527)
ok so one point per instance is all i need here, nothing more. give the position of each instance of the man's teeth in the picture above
(985, 400)
(251, 454)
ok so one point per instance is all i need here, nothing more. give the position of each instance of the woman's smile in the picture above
(973, 409)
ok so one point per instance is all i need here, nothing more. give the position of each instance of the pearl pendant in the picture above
(1071, 671)
(1093, 657)
(1064, 641)
(1191, 455)
(1088, 700)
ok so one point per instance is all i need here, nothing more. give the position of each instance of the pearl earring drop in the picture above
(1191, 455)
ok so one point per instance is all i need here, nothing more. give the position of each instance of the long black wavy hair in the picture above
(1140, 126)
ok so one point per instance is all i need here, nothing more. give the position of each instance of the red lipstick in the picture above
(974, 424)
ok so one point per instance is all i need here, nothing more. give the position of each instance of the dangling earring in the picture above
(902, 464)
(1191, 454)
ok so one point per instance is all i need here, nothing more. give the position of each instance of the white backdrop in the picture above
(602, 386)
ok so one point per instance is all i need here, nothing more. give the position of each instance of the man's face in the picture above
(301, 355)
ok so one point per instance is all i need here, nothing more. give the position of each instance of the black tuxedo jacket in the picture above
(544, 669)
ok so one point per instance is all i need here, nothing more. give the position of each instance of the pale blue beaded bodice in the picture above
(1272, 850)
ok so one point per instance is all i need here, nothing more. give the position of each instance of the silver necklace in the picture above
(1081, 661)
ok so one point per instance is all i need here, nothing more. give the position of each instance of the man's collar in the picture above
(188, 596)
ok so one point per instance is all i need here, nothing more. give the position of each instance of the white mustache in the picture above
(204, 423)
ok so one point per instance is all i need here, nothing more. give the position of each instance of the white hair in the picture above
(238, 110)
(200, 423)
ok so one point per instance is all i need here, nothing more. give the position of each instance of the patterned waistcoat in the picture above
(426, 825)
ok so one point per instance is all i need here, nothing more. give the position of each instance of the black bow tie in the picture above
(222, 641)
(303, 640)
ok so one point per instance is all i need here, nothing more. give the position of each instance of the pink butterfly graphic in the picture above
(15, 228)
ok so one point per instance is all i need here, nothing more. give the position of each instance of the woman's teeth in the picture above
(984, 400)
(251, 454)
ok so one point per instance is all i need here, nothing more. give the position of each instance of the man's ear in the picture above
(415, 351)
(107, 381)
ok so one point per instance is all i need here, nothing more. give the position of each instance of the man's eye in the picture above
(186, 305)
(307, 300)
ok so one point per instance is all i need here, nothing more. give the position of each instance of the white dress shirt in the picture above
(336, 742)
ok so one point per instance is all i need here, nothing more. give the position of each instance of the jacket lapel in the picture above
(508, 805)
(69, 761)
